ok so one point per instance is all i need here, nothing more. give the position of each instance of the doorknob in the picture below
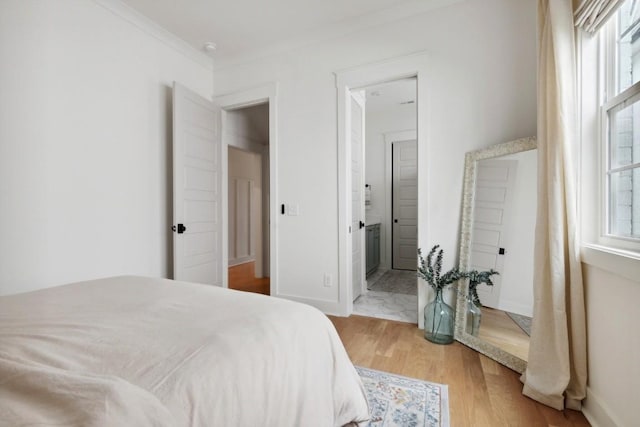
(181, 228)
(501, 251)
(361, 224)
(395, 220)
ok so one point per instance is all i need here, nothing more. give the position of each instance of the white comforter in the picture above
(134, 351)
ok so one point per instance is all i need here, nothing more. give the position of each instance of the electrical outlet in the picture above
(327, 280)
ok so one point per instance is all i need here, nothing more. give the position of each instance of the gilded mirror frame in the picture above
(460, 334)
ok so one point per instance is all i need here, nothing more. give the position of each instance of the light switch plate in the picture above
(293, 209)
(328, 281)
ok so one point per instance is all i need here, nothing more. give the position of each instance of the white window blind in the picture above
(593, 14)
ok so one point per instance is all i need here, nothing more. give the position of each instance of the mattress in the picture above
(136, 351)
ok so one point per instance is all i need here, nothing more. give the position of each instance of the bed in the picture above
(136, 351)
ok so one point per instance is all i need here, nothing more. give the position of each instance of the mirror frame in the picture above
(460, 334)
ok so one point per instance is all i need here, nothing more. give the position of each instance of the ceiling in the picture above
(241, 28)
(392, 95)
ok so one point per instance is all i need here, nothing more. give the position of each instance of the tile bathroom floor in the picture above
(387, 305)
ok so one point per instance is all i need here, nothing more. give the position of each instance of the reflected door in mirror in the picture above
(495, 180)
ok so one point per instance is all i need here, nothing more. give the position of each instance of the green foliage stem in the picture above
(476, 278)
(431, 272)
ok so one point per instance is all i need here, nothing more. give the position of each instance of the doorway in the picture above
(247, 138)
(413, 65)
(390, 200)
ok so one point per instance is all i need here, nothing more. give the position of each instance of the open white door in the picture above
(405, 205)
(197, 189)
(495, 180)
(357, 193)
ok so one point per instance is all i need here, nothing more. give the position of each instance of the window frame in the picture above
(607, 68)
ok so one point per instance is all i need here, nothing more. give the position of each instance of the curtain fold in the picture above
(556, 372)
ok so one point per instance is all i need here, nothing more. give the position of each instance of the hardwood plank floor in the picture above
(242, 278)
(481, 392)
(500, 330)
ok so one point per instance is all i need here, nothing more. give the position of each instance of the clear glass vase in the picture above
(474, 315)
(439, 320)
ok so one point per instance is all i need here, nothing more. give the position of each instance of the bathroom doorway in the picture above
(390, 201)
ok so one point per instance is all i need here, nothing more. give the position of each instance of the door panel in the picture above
(197, 150)
(357, 194)
(494, 185)
(405, 205)
(407, 231)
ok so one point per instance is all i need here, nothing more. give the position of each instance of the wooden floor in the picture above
(500, 330)
(481, 391)
(242, 278)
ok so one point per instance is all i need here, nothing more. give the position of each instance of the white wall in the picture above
(613, 348)
(516, 293)
(612, 281)
(379, 123)
(85, 145)
(248, 128)
(481, 91)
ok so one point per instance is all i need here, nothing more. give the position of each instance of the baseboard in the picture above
(329, 307)
(240, 261)
(515, 307)
(596, 411)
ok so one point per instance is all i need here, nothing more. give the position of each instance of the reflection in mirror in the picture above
(498, 228)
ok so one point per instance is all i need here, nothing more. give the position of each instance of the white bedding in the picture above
(134, 351)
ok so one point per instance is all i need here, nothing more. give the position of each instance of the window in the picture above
(621, 124)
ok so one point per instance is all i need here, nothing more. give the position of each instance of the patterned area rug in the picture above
(523, 322)
(397, 281)
(396, 401)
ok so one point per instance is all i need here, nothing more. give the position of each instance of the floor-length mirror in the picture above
(497, 233)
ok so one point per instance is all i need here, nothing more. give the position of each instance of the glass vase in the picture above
(439, 320)
(474, 315)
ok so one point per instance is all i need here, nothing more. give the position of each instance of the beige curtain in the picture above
(557, 368)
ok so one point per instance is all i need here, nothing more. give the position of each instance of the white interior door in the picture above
(197, 191)
(495, 180)
(357, 194)
(405, 205)
(241, 221)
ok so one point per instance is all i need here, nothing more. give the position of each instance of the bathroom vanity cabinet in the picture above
(373, 248)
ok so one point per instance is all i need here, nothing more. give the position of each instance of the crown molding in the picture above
(151, 28)
(336, 30)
